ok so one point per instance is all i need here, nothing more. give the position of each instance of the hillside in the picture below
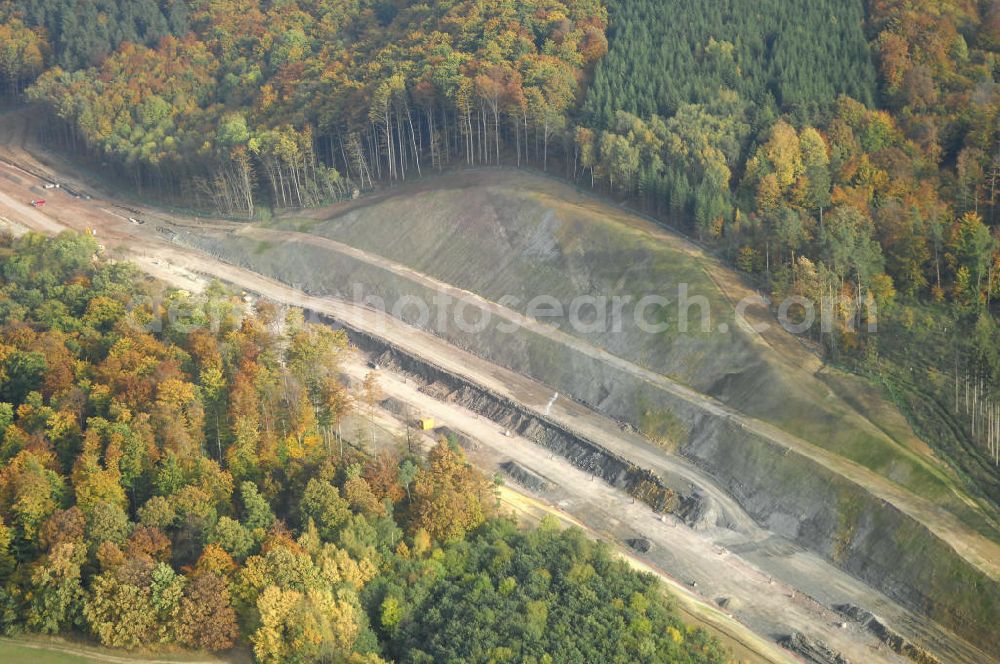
(828, 150)
(787, 512)
(839, 155)
(733, 402)
(499, 235)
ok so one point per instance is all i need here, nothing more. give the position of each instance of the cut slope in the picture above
(514, 235)
(777, 484)
(748, 408)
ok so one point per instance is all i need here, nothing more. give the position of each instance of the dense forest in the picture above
(793, 56)
(179, 484)
(846, 152)
(301, 102)
(82, 34)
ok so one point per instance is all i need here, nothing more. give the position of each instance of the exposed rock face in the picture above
(526, 478)
(700, 512)
(815, 652)
(886, 634)
(582, 452)
(728, 603)
(393, 406)
(854, 613)
(868, 537)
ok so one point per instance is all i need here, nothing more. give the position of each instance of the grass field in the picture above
(52, 650)
(11, 651)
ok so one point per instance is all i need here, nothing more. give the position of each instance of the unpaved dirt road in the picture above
(615, 516)
(491, 446)
(772, 591)
(976, 549)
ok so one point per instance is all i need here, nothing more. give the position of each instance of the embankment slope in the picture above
(500, 239)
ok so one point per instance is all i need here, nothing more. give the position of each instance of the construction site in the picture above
(788, 505)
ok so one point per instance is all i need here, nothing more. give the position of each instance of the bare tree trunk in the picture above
(435, 153)
(527, 142)
(388, 139)
(966, 393)
(413, 139)
(347, 163)
(545, 157)
(517, 141)
(469, 139)
(401, 143)
(956, 381)
(372, 138)
(447, 135)
(496, 129)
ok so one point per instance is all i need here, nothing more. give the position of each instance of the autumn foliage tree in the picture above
(169, 489)
(449, 497)
(303, 103)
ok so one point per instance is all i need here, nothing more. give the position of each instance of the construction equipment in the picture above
(426, 423)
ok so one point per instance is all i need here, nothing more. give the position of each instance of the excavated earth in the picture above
(782, 444)
(742, 406)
